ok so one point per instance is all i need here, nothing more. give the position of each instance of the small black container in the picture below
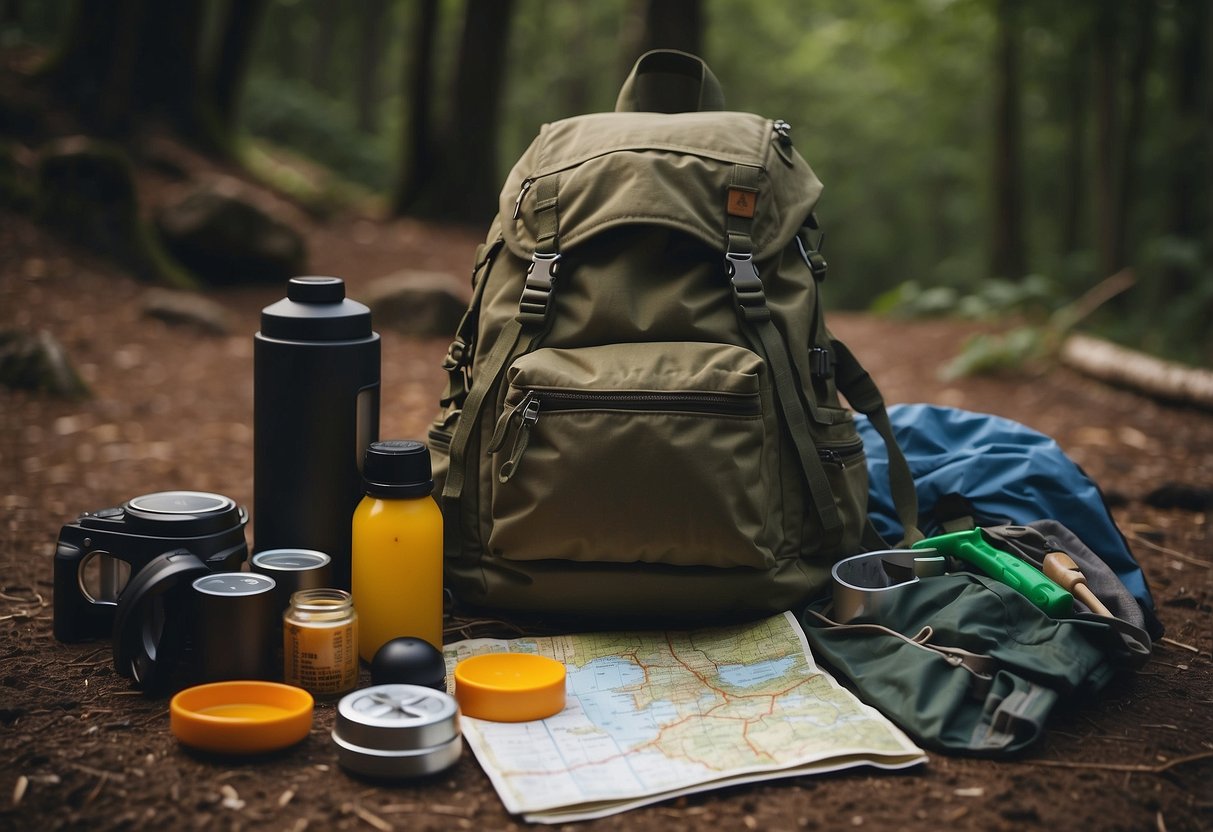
(236, 631)
(316, 409)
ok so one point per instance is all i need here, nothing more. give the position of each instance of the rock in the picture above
(226, 240)
(37, 361)
(188, 308)
(416, 303)
(86, 192)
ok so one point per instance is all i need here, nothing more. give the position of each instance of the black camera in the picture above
(101, 550)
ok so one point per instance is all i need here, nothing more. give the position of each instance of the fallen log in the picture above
(1137, 371)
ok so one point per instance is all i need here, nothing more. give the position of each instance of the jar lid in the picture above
(395, 731)
(241, 717)
(510, 687)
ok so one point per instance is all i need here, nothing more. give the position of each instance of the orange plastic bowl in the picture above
(243, 717)
(510, 687)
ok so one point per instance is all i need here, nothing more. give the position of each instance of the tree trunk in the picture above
(466, 185)
(672, 24)
(241, 22)
(328, 15)
(417, 159)
(1107, 124)
(81, 63)
(370, 52)
(1191, 217)
(1008, 249)
(128, 62)
(1077, 84)
(1126, 192)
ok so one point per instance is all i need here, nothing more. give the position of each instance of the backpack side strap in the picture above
(861, 391)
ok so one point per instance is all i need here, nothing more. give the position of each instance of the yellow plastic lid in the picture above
(242, 717)
(509, 687)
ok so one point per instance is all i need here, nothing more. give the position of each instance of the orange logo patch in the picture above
(742, 202)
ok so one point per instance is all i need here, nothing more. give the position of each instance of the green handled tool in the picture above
(973, 548)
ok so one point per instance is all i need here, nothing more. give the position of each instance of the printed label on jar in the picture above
(321, 659)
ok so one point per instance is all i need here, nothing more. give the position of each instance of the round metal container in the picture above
(237, 626)
(294, 570)
(397, 731)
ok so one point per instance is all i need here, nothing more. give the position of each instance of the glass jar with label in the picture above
(320, 642)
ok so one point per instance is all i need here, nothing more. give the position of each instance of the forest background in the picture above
(979, 156)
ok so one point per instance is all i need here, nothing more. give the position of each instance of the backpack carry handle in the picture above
(669, 81)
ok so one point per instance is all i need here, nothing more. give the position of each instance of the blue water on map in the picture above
(606, 689)
(751, 675)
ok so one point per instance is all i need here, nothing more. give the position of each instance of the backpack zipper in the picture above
(556, 401)
(843, 454)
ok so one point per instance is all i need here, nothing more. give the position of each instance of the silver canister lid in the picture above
(294, 570)
(397, 731)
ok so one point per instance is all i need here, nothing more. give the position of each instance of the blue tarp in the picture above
(1008, 472)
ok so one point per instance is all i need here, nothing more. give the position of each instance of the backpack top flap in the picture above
(673, 170)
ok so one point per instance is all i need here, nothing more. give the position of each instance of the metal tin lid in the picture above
(230, 584)
(289, 560)
(397, 731)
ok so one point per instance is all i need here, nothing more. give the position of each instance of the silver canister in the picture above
(293, 570)
(237, 626)
(397, 731)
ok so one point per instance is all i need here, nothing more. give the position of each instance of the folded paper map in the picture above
(653, 715)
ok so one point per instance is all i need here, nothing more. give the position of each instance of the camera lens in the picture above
(181, 502)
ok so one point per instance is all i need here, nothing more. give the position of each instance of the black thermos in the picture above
(315, 411)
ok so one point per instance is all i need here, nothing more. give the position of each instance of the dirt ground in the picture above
(172, 408)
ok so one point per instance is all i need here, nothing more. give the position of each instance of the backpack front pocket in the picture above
(658, 452)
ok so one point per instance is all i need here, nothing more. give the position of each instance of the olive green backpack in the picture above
(642, 420)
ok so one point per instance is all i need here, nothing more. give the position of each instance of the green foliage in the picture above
(291, 114)
(1018, 350)
(992, 299)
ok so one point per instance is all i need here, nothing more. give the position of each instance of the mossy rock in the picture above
(227, 240)
(86, 193)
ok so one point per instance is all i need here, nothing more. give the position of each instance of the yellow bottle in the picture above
(397, 548)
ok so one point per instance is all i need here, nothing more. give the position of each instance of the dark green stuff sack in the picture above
(643, 418)
(963, 663)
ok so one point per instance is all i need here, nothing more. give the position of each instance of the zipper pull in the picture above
(784, 131)
(503, 424)
(526, 186)
(530, 415)
(783, 141)
(832, 456)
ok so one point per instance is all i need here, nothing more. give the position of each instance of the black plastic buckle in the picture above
(537, 292)
(748, 294)
(813, 258)
(821, 363)
(456, 353)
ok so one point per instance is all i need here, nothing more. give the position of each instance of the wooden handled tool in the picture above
(1061, 568)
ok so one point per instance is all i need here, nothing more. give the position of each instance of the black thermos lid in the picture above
(397, 468)
(316, 309)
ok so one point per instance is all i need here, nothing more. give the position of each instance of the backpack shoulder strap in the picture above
(750, 300)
